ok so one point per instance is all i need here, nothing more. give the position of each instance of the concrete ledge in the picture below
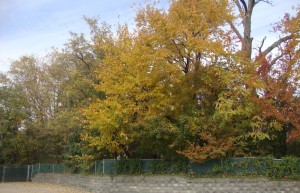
(168, 184)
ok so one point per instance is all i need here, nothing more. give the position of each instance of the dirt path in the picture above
(35, 187)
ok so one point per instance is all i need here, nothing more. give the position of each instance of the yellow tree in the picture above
(180, 81)
(171, 70)
(137, 83)
(204, 40)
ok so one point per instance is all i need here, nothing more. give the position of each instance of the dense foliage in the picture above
(286, 168)
(185, 82)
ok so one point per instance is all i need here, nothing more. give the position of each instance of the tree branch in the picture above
(239, 7)
(277, 43)
(244, 5)
(181, 55)
(265, 1)
(81, 57)
(275, 59)
(235, 31)
(262, 44)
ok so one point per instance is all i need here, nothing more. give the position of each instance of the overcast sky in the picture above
(32, 27)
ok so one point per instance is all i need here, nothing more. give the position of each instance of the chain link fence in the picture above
(150, 166)
(27, 172)
(16, 173)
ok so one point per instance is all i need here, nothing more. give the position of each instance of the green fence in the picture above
(235, 166)
(109, 166)
(27, 172)
(205, 168)
(15, 174)
(157, 166)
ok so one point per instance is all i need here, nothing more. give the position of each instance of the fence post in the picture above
(103, 166)
(28, 172)
(222, 164)
(3, 173)
(95, 167)
(39, 168)
(52, 168)
(31, 171)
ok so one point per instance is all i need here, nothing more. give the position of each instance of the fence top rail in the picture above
(230, 159)
(21, 166)
(45, 164)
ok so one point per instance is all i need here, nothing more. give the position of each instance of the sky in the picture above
(34, 27)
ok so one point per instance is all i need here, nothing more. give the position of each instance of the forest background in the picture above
(185, 82)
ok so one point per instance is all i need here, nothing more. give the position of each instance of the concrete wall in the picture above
(168, 184)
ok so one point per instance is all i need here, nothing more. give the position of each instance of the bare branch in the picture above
(235, 31)
(265, 1)
(262, 44)
(244, 5)
(275, 59)
(239, 7)
(277, 43)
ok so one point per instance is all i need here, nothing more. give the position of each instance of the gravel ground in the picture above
(35, 187)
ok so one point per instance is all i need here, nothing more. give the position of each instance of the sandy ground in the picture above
(34, 187)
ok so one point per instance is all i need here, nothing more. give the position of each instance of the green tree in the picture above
(13, 114)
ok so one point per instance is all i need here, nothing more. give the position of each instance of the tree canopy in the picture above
(184, 82)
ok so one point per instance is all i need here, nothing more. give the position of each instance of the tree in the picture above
(133, 95)
(163, 75)
(184, 82)
(12, 118)
(276, 68)
(193, 44)
(81, 57)
(52, 90)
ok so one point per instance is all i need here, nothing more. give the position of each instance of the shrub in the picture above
(289, 167)
(128, 167)
(170, 167)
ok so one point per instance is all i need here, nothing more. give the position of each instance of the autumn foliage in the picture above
(188, 71)
(185, 81)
